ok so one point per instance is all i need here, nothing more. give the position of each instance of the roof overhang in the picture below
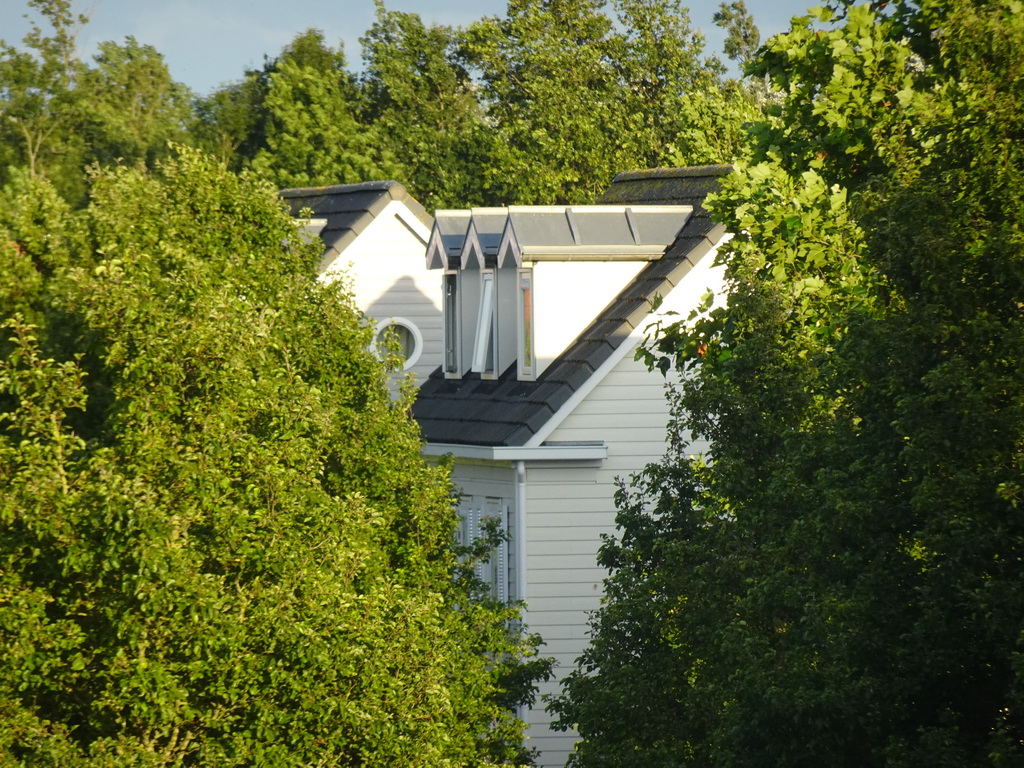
(590, 451)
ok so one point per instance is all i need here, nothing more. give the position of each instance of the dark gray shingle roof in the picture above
(508, 412)
(349, 209)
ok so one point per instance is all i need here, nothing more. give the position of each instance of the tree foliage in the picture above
(742, 37)
(311, 131)
(218, 544)
(39, 105)
(59, 115)
(226, 123)
(840, 581)
(424, 106)
(135, 107)
(543, 105)
(575, 97)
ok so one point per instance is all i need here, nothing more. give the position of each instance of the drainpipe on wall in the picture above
(521, 530)
(522, 712)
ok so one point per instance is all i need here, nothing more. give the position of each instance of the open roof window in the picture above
(508, 271)
(485, 349)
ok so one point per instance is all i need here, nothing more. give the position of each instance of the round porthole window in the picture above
(402, 336)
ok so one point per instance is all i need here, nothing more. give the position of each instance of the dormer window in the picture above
(507, 271)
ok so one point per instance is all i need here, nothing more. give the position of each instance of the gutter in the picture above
(582, 451)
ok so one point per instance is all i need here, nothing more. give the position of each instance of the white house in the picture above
(538, 396)
(374, 235)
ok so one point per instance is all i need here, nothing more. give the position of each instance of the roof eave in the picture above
(593, 253)
(591, 451)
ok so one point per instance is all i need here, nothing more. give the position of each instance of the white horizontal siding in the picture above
(639, 420)
(478, 476)
(555, 612)
(568, 511)
(567, 533)
(569, 590)
(629, 373)
(581, 563)
(560, 547)
(588, 494)
(554, 473)
(614, 406)
(588, 530)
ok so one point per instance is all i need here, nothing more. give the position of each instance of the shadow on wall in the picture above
(415, 321)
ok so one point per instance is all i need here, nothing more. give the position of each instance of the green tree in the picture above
(575, 97)
(742, 37)
(678, 107)
(424, 109)
(550, 93)
(39, 105)
(135, 106)
(218, 543)
(312, 133)
(226, 122)
(838, 584)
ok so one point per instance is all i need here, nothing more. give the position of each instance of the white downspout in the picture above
(521, 530)
(522, 712)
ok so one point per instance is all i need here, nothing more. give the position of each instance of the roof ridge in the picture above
(689, 171)
(397, 189)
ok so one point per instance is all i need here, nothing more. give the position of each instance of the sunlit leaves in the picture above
(218, 543)
(840, 576)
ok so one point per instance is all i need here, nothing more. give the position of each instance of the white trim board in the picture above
(597, 451)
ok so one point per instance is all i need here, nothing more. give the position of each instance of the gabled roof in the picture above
(448, 236)
(664, 186)
(348, 209)
(509, 412)
(486, 226)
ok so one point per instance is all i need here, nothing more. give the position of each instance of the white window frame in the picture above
(485, 350)
(492, 570)
(452, 317)
(497, 563)
(417, 339)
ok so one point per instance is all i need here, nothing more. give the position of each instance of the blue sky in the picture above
(210, 42)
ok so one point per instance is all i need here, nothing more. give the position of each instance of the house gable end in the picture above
(373, 235)
(349, 209)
